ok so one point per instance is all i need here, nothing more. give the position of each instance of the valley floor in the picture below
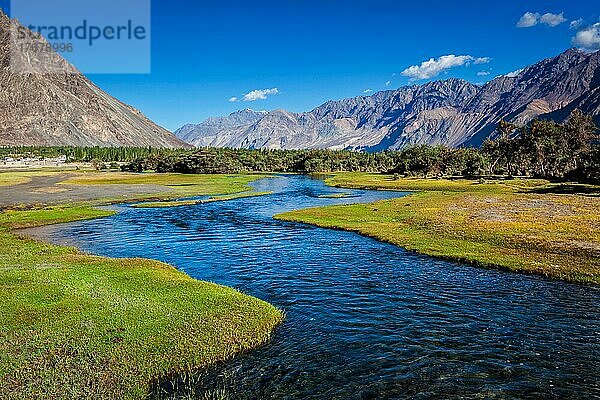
(528, 226)
(74, 325)
(42, 187)
(77, 325)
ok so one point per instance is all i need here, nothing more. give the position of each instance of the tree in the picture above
(501, 150)
(544, 149)
(580, 131)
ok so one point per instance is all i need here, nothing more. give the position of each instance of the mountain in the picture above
(61, 106)
(452, 112)
(215, 131)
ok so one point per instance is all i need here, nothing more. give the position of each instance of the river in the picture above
(364, 319)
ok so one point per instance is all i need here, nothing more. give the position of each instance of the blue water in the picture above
(365, 320)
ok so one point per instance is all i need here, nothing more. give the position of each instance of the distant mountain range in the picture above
(64, 108)
(452, 112)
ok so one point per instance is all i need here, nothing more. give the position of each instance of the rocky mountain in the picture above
(214, 131)
(45, 101)
(452, 112)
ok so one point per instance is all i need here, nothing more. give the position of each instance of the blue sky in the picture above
(205, 53)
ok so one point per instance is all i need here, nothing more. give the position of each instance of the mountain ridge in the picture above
(451, 112)
(47, 102)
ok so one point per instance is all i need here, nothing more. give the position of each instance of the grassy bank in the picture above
(41, 188)
(74, 325)
(176, 185)
(500, 224)
(182, 183)
(180, 203)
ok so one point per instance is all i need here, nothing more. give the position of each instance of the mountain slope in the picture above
(451, 112)
(213, 131)
(63, 107)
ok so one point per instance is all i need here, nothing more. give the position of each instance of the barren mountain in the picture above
(61, 106)
(453, 112)
(215, 130)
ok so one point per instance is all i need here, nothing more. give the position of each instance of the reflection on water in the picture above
(365, 320)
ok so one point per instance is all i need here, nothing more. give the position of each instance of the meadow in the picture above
(521, 225)
(78, 325)
(74, 325)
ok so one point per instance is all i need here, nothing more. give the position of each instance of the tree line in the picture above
(85, 154)
(543, 149)
(546, 149)
(420, 160)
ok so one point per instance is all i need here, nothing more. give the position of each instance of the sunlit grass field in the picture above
(500, 224)
(74, 325)
(182, 185)
(9, 178)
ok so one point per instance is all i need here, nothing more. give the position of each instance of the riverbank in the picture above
(517, 225)
(41, 188)
(75, 325)
(213, 199)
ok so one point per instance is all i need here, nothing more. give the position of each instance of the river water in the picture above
(364, 319)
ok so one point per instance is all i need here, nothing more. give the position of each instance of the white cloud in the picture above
(435, 66)
(367, 91)
(482, 60)
(552, 20)
(588, 38)
(530, 19)
(233, 99)
(388, 83)
(514, 73)
(578, 23)
(483, 73)
(260, 94)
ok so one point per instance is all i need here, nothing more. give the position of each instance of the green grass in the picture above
(10, 178)
(180, 203)
(493, 224)
(74, 325)
(357, 180)
(176, 186)
(106, 185)
(182, 184)
(13, 219)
